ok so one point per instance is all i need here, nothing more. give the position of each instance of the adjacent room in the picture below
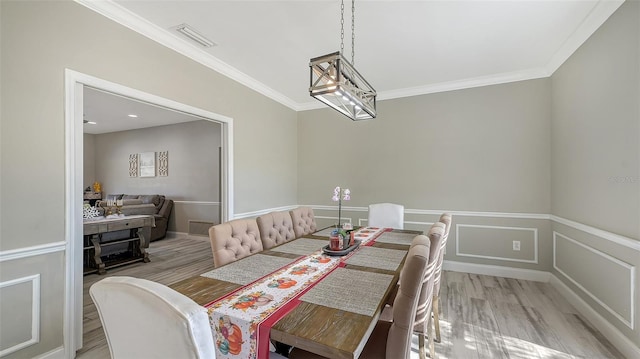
(319, 179)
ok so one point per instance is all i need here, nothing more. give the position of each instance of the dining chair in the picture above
(145, 319)
(275, 228)
(392, 340)
(386, 215)
(233, 240)
(304, 221)
(446, 219)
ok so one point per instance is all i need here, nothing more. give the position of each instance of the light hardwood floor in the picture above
(482, 316)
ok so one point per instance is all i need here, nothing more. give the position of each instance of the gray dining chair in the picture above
(234, 240)
(304, 221)
(275, 228)
(446, 219)
(386, 215)
(392, 340)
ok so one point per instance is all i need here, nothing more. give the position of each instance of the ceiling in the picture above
(111, 113)
(403, 48)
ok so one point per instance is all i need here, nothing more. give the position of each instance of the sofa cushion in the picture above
(131, 196)
(138, 209)
(150, 198)
(131, 202)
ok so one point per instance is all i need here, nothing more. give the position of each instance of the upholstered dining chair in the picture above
(145, 319)
(446, 219)
(233, 240)
(275, 228)
(392, 340)
(304, 221)
(386, 215)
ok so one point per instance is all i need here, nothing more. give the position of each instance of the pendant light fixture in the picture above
(336, 82)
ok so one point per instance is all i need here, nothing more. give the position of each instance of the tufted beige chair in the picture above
(275, 228)
(145, 319)
(233, 240)
(446, 219)
(304, 222)
(392, 340)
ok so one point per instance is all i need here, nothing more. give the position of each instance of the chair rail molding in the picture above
(32, 251)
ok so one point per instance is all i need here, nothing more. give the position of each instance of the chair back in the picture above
(446, 219)
(423, 311)
(304, 221)
(275, 228)
(144, 319)
(233, 240)
(406, 301)
(386, 215)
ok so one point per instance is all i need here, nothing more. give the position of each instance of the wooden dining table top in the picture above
(327, 331)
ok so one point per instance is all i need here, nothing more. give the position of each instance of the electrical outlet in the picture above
(516, 245)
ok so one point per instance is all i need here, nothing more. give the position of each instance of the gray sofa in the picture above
(153, 204)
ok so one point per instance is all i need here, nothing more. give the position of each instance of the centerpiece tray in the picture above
(341, 252)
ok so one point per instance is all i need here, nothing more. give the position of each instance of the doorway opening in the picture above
(75, 84)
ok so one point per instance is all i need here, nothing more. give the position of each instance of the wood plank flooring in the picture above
(481, 316)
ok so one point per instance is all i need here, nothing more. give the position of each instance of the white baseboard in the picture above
(615, 336)
(498, 271)
(57, 353)
(171, 234)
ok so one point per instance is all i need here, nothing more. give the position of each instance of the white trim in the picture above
(438, 212)
(204, 203)
(32, 251)
(535, 243)
(122, 16)
(173, 234)
(598, 15)
(619, 340)
(57, 353)
(264, 211)
(498, 271)
(35, 311)
(74, 83)
(632, 271)
(616, 238)
(342, 218)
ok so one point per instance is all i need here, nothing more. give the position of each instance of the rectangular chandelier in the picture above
(335, 82)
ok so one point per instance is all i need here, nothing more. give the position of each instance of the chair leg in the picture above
(436, 316)
(422, 351)
(432, 347)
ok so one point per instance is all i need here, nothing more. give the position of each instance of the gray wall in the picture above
(89, 154)
(32, 130)
(484, 149)
(596, 169)
(193, 167)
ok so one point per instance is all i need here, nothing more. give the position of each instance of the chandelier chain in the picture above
(353, 32)
(342, 26)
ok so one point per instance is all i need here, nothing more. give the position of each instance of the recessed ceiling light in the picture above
(92, 123)
(133, 116)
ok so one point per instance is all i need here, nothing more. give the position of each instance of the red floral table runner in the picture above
(242, 319)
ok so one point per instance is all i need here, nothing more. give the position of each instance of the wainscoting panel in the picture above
(24, 292)
(496, 242)
(607, 280)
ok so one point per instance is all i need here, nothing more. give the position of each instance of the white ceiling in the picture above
(403, 48)
(111, 113)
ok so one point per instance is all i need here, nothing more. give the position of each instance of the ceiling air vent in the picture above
(192, 34)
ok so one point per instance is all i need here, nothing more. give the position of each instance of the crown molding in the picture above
(598, 15)
(122, 16)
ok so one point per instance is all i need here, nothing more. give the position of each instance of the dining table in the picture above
(335, 313)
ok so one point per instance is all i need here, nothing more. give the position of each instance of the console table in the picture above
(136, 242)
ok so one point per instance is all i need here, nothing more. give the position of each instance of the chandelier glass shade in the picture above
(335, 82)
